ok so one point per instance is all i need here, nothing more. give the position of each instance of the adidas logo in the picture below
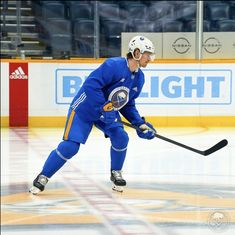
(135, 89)
(18, 74)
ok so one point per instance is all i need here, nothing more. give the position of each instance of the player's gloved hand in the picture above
(147, 131)
(108, 115)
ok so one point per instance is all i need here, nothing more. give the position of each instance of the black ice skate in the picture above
(119, 182)
(38, 184)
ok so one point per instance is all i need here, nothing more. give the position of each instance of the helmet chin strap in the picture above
(137, 59)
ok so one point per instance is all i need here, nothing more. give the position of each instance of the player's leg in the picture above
(119, 141)
(76, 132)
(56, 159)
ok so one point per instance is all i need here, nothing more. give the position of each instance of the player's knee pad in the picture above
(67, 149)
(119, 138)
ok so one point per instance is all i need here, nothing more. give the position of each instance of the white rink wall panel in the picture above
(181, 89)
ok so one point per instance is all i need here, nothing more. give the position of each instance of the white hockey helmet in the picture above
(143, 44)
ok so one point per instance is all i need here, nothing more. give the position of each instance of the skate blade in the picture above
(34, 190)
(117, 188)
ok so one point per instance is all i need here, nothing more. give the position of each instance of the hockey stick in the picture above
(207, 152)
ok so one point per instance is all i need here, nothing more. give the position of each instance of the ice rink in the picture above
(170, 190)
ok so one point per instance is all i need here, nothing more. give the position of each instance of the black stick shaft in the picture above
(214, 148)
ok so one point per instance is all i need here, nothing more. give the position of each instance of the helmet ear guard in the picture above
(133, 54)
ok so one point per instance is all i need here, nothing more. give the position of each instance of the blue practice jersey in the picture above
(112, 81)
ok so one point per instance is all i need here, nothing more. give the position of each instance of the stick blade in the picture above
(216, 147)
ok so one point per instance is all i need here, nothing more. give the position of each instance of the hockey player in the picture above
(108, 90)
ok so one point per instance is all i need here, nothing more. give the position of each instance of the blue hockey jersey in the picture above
(112, 81)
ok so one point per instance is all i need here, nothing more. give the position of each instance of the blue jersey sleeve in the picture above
(96, 81)
(129, 111)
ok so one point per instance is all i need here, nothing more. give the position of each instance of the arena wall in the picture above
(176, 92)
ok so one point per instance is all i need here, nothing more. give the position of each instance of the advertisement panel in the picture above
(182, 45)
(18, 94)
(187, 86)
(187, 89)
(178, 45)
(218, 45)
(162, 86)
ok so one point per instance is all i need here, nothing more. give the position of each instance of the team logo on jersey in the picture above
(119, 97)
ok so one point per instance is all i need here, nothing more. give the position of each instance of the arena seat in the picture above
(190, 26)
(226, 25)
(160, 10)
(108, 11)
(84, 48)
(172, 26)
(112, 29)
(83, 28)
(77, 10)
(186, 12)
(126, 4)
(158, 26)
(59, 26)
(111, 37)
(142, 26)
(61, 44)
(218, 11)
(232, 9)
(84, 37)
(136, 11)
(52, 10)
